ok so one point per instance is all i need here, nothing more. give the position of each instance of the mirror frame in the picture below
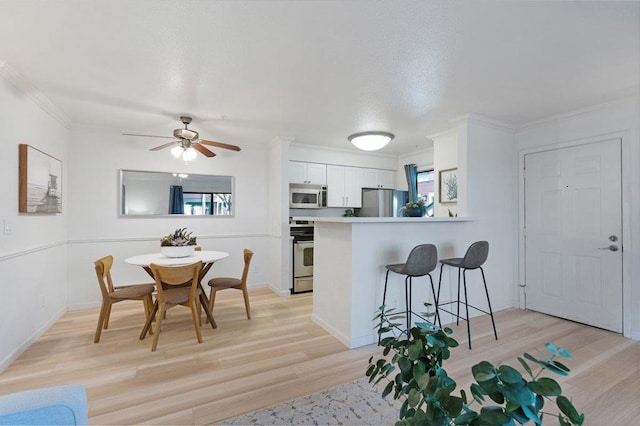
(121, 198)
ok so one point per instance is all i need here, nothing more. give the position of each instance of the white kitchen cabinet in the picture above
(343, 186)
(313, 173)
(377, 178)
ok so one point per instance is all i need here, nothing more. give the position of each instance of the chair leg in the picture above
(147, 324)
(160, 317)
(495, 333)
(196, 318)
(148, 305)
(406, 305)
(107, 316)
(458, 317)
(247, 306)
(438, 294)
(466, 305)
(384, 299)
(212, 299)
(435, 301)
(101, 318)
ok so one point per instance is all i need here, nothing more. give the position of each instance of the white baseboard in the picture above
(281, 293)
(9, 359)
(345, 340)
(81, 306)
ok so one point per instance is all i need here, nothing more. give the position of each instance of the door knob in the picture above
(612, 247)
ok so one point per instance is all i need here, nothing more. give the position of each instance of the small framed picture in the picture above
(40, 182)
(448, 185)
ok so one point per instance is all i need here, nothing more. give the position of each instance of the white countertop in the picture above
(384, 219)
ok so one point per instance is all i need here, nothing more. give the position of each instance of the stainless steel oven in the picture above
(302, 257)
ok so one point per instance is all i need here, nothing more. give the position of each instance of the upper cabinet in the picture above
(307, 173)
(377, 178)
(344, 187)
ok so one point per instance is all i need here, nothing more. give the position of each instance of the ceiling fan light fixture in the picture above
(177, 151)
(189, 154)
(370, 141)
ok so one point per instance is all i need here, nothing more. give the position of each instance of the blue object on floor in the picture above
(57, 405)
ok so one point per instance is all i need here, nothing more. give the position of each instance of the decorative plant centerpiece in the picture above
(415, 374)
(415, 208)
(180, 243)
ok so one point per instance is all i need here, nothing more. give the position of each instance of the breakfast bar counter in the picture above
(350, 255)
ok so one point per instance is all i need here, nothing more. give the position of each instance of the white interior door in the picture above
(573, 230)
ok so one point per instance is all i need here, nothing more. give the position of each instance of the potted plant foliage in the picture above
(180, 243)
(413, 369)
(415, 208)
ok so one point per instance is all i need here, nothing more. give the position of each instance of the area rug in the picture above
(354, 403)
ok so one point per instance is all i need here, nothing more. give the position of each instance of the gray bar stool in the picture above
(475, 257)
(422, 260)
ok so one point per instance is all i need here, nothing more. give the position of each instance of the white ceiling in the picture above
(317, 71)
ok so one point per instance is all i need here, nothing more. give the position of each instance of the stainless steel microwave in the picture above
(307, 196)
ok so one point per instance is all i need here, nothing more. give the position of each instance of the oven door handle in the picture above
(304, 244)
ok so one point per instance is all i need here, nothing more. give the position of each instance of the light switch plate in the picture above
(6, 227)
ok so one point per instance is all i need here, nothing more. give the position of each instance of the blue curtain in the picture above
(411, 170)
(176, 200)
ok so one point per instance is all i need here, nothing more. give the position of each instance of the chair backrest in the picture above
(248, 254)
(176, 276)
(103, 271)
(476, 255)
(422, 260)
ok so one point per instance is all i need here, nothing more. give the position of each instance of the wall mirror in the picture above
(144, 193)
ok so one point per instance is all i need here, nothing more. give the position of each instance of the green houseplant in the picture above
(414, 208)
(179, 243)
(413, 369)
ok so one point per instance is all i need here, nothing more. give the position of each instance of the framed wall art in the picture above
(40, 182)
(448, 185)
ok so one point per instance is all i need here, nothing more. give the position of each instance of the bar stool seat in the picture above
(474, 258)
(422, 260)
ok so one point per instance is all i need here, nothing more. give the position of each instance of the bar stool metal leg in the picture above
(495, 333)
(407, 302)
(458, 315)
(435, 301)
(466, 305)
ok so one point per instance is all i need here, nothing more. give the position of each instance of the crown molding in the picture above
(497, 124)
(581, 111)
(33, 93)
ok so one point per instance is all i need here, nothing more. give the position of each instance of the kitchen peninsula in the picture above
(350, 255)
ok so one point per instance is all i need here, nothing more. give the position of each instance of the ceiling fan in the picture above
(186, 142)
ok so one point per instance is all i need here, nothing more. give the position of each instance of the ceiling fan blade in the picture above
(166, 145)
(204, 151)
(147, 136)
(220, 145)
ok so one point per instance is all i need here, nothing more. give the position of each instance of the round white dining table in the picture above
(206, 257)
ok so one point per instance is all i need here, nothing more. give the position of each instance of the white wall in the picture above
(445, 156)
(615, 120)
(33, 258)
(97, 229)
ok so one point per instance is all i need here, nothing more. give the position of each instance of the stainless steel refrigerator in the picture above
(382, 202)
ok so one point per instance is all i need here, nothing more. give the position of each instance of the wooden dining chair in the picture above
(222, 283)
(171, 292)
(112, 294)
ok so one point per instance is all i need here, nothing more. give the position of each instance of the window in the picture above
(203, 203)
(425, 189)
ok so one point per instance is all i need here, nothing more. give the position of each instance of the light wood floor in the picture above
(280, 355)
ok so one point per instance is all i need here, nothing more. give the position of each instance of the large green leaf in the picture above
(483, 371)
(493, 416)
(519, 393)
(525, 366)
(414, 397)
(387, 389)
(531, 415)
(545, 386)
(569, 410)
(405, 365)
(454, 406)
(509, 374)
(466, 418)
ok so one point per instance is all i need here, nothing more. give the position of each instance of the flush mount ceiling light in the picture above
(370, 141)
